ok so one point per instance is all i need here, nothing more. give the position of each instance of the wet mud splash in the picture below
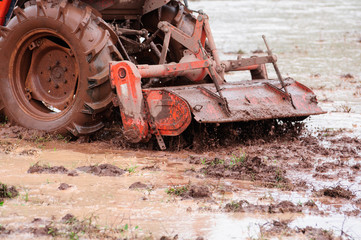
(201, 189)
(280, 185)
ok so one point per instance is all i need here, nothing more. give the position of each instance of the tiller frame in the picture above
(168, 111)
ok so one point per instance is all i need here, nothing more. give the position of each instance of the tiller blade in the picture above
(168, 110)
(248, 101)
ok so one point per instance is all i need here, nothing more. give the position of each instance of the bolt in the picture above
(65, 81)
(49, 80)
(160, 24)
(122, 73)
(56, 86)
(65, 69)
(57, 63)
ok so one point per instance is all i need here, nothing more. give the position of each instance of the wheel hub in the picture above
(52, 76)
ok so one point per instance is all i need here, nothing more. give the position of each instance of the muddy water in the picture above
(154, 213)
(316, 43)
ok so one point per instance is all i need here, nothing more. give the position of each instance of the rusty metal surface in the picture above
(54, 55)
(4, 7)
(125, 9)
(53, 74)
(252, 100)
(171, 113)
(173, 34)
(126, 79)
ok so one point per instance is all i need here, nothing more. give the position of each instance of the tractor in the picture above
(66, 65)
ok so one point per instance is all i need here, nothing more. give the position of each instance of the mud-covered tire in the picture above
(78, 85)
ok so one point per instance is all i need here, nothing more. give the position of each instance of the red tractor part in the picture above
(150, 111)
(167, 110)
(4, 8)
(164, 70)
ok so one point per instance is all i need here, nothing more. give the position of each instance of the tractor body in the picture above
(154, 60)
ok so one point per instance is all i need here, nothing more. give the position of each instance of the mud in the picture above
(190, 191)
(301, 180)
(281, 207)
(245, 168)
(138, 185)
(336, 192)
(36, 168)
(102, 170)
(317, 233)
(7, 191)
(256, 177)
(64, 186)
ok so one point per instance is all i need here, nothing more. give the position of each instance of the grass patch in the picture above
(177, 191)
(8, 192)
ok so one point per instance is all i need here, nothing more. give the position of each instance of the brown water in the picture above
(316, 43)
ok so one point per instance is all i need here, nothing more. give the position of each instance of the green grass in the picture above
(240, 158)
(132, 169)
(178, 191)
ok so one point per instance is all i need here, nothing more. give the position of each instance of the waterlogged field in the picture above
(286, 184)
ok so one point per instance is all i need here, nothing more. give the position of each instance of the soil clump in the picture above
(245, 206)
(316, 233)
(36, 168)
(282, 227)
(336, 192)
(190, 191)
(244, 167)
(102, 170)
(7, 192)
(64, 186)
(138, 185)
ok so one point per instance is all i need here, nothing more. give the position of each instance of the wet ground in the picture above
(295, 185)
(304, 185)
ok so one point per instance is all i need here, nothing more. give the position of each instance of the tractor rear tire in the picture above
(54, 68)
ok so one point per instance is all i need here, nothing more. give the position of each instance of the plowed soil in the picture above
(107, 188)
(269, 180)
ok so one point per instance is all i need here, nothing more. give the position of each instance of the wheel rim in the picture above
(44, 75)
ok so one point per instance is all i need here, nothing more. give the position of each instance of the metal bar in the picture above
(168, 70)
(123, 50)
(216, 80)
(278, 71)
(247, 63)
(275, 64)
(155, 49)
(152, 124)
(166, 41)
(211, 42)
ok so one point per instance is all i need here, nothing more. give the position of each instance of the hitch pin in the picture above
(278, 71)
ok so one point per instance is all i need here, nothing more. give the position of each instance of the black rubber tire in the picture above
(92, 43)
